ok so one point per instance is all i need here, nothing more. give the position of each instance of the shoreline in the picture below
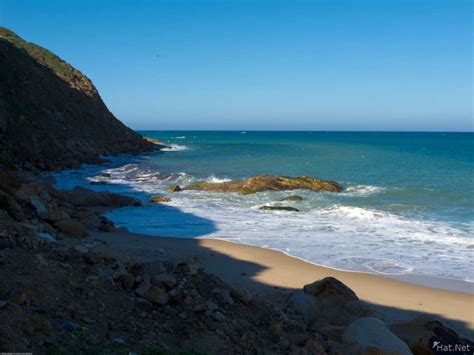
(274, 275)
(429, 281)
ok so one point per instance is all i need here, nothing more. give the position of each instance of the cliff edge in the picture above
(51, 115)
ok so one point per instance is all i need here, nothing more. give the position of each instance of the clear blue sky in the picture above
(303, 65)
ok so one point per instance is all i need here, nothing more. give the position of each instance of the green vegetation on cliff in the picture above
(50, 60)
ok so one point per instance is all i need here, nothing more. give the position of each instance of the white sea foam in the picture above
(174, 148)
(180, 137)
(324, 232)
(363, 190)
(340, 236)
(214, 179)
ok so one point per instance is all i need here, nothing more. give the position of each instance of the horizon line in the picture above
(294, 130)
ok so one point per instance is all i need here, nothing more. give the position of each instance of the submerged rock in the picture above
(268, 183)
(279, 208)
(174, 188)
(294, 198)
(159, 199)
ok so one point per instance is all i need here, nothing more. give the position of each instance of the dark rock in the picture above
(280, 208)
(157, 295)
(88, 320)
(330, 289)
(17, 297)
(166, 280)
(143, 304)
(143, 289)
(72, 228)
(107, 227)
(101, 182)
(68, 325)
(294, 198)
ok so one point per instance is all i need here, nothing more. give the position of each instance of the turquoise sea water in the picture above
(407, 204)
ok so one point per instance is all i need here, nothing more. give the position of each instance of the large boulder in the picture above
(268, 183)
(371, 335)
(338, 304)
(331, 289)
(71, 227)
(425, 335)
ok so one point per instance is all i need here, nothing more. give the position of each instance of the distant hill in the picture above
(51, 115)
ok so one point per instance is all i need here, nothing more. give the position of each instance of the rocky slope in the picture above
(51, 115)
(61, 294)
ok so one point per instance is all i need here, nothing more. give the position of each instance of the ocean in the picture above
(406, 207)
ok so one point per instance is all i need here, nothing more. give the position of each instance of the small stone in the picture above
(192, 269)
(91, 258)
(218, 316)
(43, 324)
(143, 289)
(292, 198)
(107, 227)
(127, 281)
(276, 329)
(157, 295)
(227, 297)
(314, 347)
(88, 320)
(200, 308)
(71, 227)
(46, 236)
(17, 297)
(118, 340)
(68, 325)
(142, 303)
(168, 280)
(14, 308)
(170, 311)
(211, 306)
(81, 249)
(183, 315)
(41, 260)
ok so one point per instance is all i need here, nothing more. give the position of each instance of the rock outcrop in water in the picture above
(51, 115)
(268, 183)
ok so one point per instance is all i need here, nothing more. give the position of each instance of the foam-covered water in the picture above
(406, 205)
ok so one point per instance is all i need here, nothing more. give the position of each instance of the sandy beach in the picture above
(274, 275)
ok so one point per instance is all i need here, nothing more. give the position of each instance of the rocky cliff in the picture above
(51, 115)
